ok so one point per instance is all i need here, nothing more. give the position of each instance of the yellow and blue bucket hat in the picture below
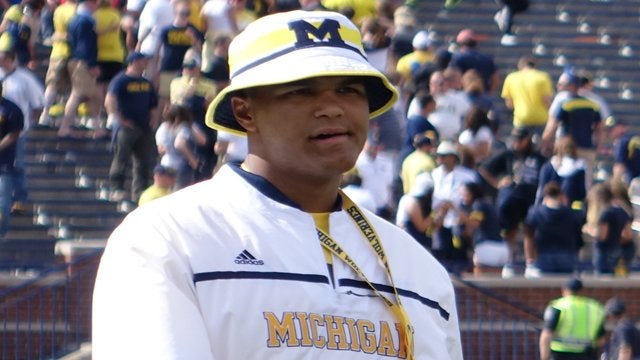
(296, 45)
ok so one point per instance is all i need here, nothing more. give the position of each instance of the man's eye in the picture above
(352, 89)
(301, 91)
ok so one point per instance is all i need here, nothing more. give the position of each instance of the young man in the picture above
(131, 102)
(269, 259)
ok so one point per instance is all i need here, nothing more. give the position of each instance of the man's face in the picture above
(312, 128)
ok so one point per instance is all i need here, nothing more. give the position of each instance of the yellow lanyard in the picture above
(406, 334)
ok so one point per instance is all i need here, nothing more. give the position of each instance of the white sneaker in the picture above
(532, 272)
(507, 272)
(117, 195)
(508, 40)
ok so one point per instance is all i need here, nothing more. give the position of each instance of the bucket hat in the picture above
(296, 45)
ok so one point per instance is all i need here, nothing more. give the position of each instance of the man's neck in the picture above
(311, 195)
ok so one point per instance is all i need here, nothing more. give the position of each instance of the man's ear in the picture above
(240, 108)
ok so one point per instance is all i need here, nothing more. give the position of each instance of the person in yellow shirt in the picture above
(57, 79)
(422, 53)
(111, 50)
(528, 92)
(163, 180)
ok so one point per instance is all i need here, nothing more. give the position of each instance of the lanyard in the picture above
(330, 245)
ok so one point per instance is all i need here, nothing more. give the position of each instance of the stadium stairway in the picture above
(68, 205)
(597, 36)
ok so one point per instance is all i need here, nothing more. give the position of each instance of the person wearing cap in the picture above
(448, 178)
(528, 92)
(575, 116)
(414, 213)
(469, 57)
(514, 173)
(573, 325)
(164, 179)
(422, 53)
(83, 65)
(196, 92)
(420, 160)
(131, 102)
(624, 341)
(268, 259)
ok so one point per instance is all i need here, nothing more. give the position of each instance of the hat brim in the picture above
(299, 65)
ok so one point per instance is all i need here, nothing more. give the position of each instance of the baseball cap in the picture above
(465, 36)
(447, 148)
(615, 306)
(164, 170)
(136, 55)
(422, 185)
(421, 40)
(296, 45)
(520, 133)
(569, 78)
(573, 284)
(428, 137)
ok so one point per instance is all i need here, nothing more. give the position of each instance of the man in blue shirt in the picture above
(83, 64)
(131, 101)
(11, 123)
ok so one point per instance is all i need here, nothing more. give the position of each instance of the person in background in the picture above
(528, 92)
(614, 237)
(164, 179)
(573, 325)
(414, 213)
(377, 172)
(515, 174)
(131, 102)
(351, 185)
(83, 65)
(422, 53)
(420, 160)
(477, 133)
(174, 140)
(195, 93)
(624, 342)
(448, 178)
(111, 49)
(478, 225)
(568, 170)
(552, 234)
(469, 57)
(576, 116)
(10, 128)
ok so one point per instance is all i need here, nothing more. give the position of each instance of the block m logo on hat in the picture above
(328, 33)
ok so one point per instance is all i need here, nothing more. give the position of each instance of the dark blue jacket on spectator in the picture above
(83, 39)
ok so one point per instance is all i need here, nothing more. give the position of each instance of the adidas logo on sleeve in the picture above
(245, 258)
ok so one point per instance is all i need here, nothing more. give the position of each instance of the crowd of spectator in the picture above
(437, 164)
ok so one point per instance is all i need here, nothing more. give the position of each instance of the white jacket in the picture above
(222, 270)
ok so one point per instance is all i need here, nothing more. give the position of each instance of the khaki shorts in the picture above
(58, 75)
(164, 83)
(83, 83)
